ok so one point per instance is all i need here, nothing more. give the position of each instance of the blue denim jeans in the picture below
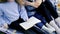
(38, 16)
(51, 9)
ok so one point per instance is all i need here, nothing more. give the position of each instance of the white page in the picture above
(30, 23)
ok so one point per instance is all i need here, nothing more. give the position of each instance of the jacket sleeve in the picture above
(2, 21)
(23, 13)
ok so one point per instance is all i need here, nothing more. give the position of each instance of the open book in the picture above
(29, 23)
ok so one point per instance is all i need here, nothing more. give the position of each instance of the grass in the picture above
(2, 32)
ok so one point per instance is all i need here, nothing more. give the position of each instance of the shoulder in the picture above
(1, 5)
(1, 8)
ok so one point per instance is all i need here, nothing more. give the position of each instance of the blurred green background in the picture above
(2, 1)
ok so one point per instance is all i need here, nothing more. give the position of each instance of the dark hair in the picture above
(3, 1)
(16, 1)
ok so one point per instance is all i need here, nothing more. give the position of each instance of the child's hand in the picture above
(5, 25)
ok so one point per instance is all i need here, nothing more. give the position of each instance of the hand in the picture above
(14, 32)
(5, 25)
(35, 4)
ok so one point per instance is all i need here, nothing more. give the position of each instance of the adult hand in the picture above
(35, 4)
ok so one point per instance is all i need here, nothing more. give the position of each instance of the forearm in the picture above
(23, 14)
